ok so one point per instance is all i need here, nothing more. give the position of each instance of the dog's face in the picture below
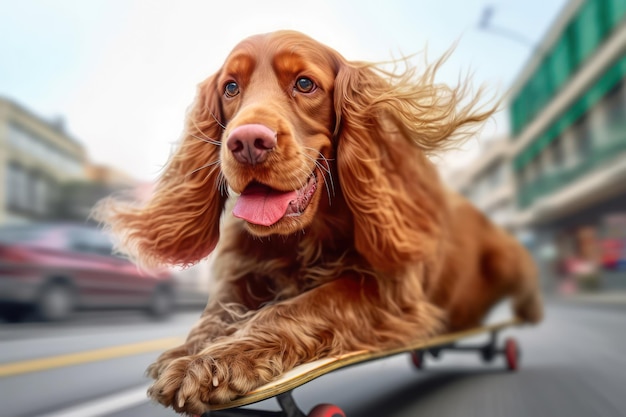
(276, 95)
(288, 124)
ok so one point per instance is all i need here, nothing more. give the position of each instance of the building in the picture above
(488, 182)
(78, 197)
(45, 173)
(568, 139)
(36, 158)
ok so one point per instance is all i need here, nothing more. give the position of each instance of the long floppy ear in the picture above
(179, 223)
(386, 126)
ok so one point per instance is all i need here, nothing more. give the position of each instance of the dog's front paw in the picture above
(163, 361)
(190, 384)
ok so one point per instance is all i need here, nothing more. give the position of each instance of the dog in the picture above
(309, 176)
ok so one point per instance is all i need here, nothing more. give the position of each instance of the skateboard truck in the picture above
(488, 351)
(288, 408)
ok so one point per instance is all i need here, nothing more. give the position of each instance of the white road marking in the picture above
(105, 405)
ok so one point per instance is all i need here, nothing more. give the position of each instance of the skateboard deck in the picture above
(310, 371)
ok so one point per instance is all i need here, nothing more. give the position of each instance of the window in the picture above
(91, 241)
(536, 167)
(560, 63)
(28, 191)
(17, 187)
(28, 142)
(568, 148)
(582, 138)
(614, 12)
(40, 194)
(556, 150)
(588, 29)
(615, 105)
(527, 175)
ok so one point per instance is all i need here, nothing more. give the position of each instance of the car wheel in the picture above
(56, 302)
(161, 303)
(13, 313)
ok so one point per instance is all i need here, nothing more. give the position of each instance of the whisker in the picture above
(330, 188)
(326, 184)
(220, 181)
(203, 134)
(218, 122)
(211, 141)
(295, 181)
(215, 166)
(330, 175)
(216, 163)
(327, 169)
(222, 185)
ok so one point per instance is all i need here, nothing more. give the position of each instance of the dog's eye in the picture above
(305, 85)
(231, 89)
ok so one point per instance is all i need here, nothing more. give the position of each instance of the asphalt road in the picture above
(574, 364)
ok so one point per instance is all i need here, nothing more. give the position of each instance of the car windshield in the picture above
(21, 234)
(78, 239)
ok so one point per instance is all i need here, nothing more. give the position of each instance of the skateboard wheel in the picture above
(326, 410)
(417, 357)
(512, 353)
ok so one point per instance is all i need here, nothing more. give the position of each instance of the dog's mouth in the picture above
(262, 205)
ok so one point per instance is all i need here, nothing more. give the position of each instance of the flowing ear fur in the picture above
(179, 223)
(386, 126)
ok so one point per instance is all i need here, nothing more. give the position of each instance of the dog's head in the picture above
(276, 105)
(286, 126)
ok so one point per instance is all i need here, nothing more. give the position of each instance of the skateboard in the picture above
(282, 387)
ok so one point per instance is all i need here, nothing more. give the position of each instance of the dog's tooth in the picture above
(216, 382)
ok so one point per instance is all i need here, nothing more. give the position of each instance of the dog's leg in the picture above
(226, 308)
(214, 323)
(511, 269)
(527, 301)
(338, 317)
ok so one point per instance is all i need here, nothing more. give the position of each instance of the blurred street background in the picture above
(93, 96)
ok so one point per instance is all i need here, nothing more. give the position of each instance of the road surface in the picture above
(572, 365)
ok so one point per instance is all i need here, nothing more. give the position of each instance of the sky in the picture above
(121, 73)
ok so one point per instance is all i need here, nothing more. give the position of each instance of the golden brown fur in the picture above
(381, 255)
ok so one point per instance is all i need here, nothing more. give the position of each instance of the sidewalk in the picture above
(594, 299)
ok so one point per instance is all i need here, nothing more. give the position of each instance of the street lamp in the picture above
(485, 24)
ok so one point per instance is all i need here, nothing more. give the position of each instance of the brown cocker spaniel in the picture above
(309, 176)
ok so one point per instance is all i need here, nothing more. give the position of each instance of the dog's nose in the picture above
(251, 143)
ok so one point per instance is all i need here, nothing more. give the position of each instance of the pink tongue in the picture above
(262, 205)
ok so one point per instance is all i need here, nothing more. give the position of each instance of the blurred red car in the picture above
(54, 269)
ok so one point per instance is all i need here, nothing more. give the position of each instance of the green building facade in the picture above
(568, 129)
